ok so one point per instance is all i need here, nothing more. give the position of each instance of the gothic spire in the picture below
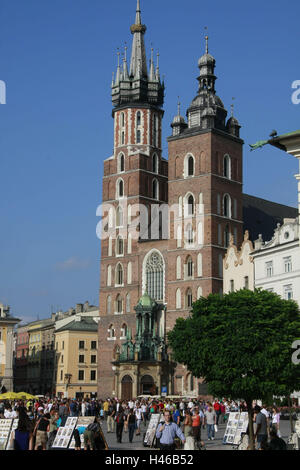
(138, 46)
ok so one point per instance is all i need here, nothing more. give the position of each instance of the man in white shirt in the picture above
(9, 413)
(131, 404)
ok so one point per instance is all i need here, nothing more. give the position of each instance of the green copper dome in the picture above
(146, 301)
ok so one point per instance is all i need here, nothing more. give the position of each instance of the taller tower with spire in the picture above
(135, 180)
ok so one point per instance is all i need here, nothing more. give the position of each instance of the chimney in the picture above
(79, 308)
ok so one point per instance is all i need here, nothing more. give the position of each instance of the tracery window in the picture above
(154, 272)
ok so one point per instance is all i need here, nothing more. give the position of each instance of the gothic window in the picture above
(154, 276)
(108, 305)
(155, 189)
(155, 131)
(111, 331)
(226, 236)
(227, 206)
(120, 188)
(129, 273)
(190, 166)
(119, 274)
(189, 205)
(119, 304)
(119, 217)
(227, 167)
(108, 276)
(178, 267)
(138, 137)
(120, 246)
(178, 298)
(121, 162)
(189, 234)
(124, 330)
(128, 303)
(188, 298)
(199, 292)
(155, 163)
(189, 267)
(138, 118)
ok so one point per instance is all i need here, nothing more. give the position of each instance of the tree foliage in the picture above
(241, 344)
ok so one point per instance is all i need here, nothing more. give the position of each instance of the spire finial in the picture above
(138, 13)
(178, 104)
(206, 39)
(232, 107)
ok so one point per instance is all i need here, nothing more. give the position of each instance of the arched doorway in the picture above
(126, 391)
(147, 385)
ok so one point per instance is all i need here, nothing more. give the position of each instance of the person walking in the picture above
(40, 431)
(120, 419)
(261, 433)
(188, 431)
(111, 416)
(276, 420)
(167, 432)
(210, 420)
(138, 414)
(131, 424)
(197, 419)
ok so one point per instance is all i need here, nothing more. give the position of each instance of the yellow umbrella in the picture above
(25, 396)
(9, 396)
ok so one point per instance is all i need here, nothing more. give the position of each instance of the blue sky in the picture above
(57, 59)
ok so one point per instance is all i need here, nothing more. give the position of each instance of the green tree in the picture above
(241, 344)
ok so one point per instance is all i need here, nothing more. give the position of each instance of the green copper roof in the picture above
(146, 301)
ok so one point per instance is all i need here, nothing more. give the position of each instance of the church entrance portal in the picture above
(126, 393)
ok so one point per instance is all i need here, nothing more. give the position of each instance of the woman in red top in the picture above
(196, 427)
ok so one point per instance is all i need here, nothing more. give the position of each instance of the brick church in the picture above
(166, 222)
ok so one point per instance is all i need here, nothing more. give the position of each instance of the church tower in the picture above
(135, 179)
(205, 185)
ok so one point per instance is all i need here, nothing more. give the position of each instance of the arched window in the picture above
(110, 241)
(226, 236)
(120, 246)
(120, 188)
(128, 303)
(155, 189)
(227, 166)
(119, 217)
(227, 206)
(155, 131)
(154, 276)
(155, 163)
(189, 267)
(178, 298)
(138, 119)
(119, 275)
(129, 244)
(119, 304)
(138, 137)
(188, 298)
(129, 273)
(108, 276)
(199, 264)
(190, 205)
(121, 163)
(199, 292)
(108, 305)
(189, 234)
(190, 166)
(111, 331)
(178, 267)
(124, 331)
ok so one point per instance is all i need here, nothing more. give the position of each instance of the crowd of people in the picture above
(184, 421)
